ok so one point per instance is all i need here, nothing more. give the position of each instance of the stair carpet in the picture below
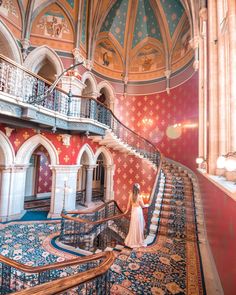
(172, 202)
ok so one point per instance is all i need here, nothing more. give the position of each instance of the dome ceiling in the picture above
(142, 39)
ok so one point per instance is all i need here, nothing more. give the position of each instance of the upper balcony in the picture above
(25, 102)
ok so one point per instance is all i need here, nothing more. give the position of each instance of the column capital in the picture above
(90, 167)
(203, 13)
(65, 168)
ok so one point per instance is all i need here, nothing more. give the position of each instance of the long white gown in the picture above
(135, 237)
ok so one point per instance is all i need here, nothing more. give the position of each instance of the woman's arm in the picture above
(141, 203)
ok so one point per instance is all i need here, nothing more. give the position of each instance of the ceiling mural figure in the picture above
(53, 24)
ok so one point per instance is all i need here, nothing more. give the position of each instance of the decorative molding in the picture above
(65, 139)
(8, 131)
(77, 55)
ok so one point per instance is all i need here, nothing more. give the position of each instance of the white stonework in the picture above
(64, 184)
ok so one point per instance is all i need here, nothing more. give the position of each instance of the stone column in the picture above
(202, 125)
(232, 70)
(222, 79)
(213, 130)
(5, 191)
(17, 195)
(89, 184)
(109, 173)
(64, 184)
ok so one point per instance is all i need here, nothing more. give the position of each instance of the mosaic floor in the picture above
(170, 266)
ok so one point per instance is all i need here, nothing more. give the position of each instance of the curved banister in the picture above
(70, 282)
(63, 284)
(53, 266)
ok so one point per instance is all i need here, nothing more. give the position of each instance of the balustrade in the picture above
(33, 90)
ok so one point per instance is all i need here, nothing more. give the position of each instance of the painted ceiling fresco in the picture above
(115, 21)
(144, 37)
(146, 24)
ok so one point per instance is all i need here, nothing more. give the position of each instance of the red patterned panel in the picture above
(129, 170)
(179, 107)
(44, 175)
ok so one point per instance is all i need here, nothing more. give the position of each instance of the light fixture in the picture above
(230, 164)
(199, 160)
(220, 163)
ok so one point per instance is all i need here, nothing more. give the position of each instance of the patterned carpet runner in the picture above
(172, 265)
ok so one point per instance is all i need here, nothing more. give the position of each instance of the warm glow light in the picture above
(220, 163)
(199, 160)
(147, 121)
(193, 125)
(230, 164)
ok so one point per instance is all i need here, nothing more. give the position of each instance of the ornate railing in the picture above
(87, 275)
(22, 84)
(94, 229)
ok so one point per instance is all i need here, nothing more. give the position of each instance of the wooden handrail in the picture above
(63, 284)
(53, 266)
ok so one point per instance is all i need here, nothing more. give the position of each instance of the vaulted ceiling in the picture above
(129, 40)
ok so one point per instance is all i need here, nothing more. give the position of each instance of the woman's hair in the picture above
(136, 190)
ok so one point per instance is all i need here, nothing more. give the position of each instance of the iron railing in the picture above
(94, 229)
(22, 84)
(90, 275)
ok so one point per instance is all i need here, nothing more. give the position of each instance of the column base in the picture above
(54, 215)
(12, 217)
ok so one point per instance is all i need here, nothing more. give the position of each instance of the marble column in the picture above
(202, 125)
(16, 197)
(232, 70)
(89, 184)
(5, 191)
(213, 130)
(64, 185)
(109, 173)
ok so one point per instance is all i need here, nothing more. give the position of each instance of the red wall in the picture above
(180, 106)
(220, 218)
(44, 181)
(128, 169)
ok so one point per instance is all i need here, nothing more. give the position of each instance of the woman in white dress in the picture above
(135, 237)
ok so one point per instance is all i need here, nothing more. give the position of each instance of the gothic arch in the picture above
(28, 147)
(90, 160)
(7, 151)
(109, 92)
(8, 44)
(107, 155)
(88, 76)
(34, 60)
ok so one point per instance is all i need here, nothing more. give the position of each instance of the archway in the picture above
(103, 175)
(106, 94)
(8, 44)
(38, 181)
(45, 62)
(7, 158)
(35, 157)
(90, 85)
(85, 176)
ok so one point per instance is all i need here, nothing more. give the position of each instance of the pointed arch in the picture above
(106, 153)
(88, 76)
(7, 150)
(36, 57)
(8, 44)
(109, 91)
(90, 159)
(26, 150)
